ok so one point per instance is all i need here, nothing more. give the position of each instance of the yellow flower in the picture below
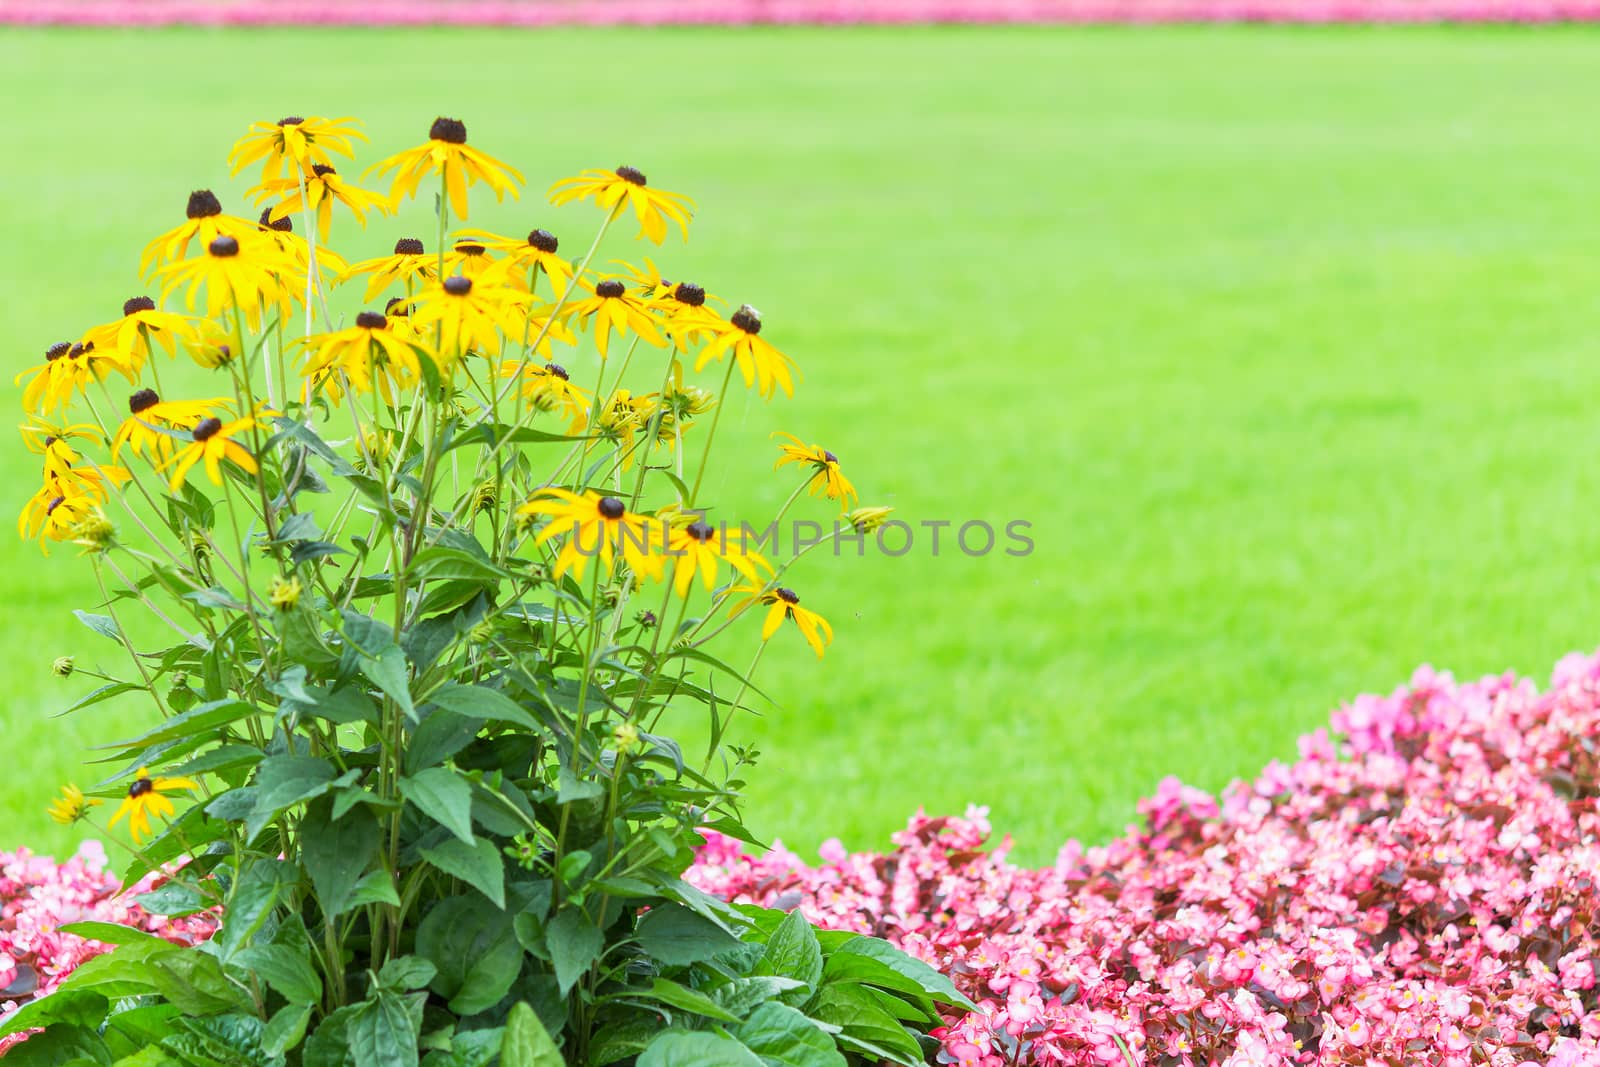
(54, 442)
(212, 441)
(609, 188)
(369, 354)
(785, 604)
(67, 368)
(248, 273)
(623, 417)
(759, 361)
(147, 797)
(538, 252)
(469, 259)
(205, 222)
(409, 262)
(471, 317)
(613, 309)
(293, 145)
(71, 806)
(56, 509)
(447, 152)
(296, 248)
(549, 388)
(284, 593)
(149, 430)
(320, 190)
(866, 520)
(826, 479)
(698, 547)
(130, 337)
(600, 527)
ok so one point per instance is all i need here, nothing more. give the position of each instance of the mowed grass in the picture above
(1283, 340)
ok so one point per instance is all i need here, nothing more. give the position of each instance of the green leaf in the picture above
(337, 853)
(574, 943)
(202, 719)
(479, 702)
(854, 1010)
(930, 981)
(286, 1029)
(288, 972)
(675, 936)
(696, 1048)
(383, 1031)
(479, 864)
(784, 1037)
(107, 933)
(79, 1007)
(793, 952)
(251, 902)
(526, 1042)
(452, 564)
(283, 781)
(475, 950)
(61, 1045)
(402, 974)
(104, 625)
(743, 995)
(676, 995)
(376, 888)
(444, 796)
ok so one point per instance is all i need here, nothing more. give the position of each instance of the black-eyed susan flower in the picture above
(785, 604)
(469, 259)
(54, 511)
(318, 192)
(409, 265)
(67, 369)
(868, 519)
(147, 797)
(248, 273)
(284, 593)
(761, 365)
(548, 387)
(368, 354)
(293, 145)
(447, 153)
(203, 222)
(520, 258)
(212, 441)
(54, 441)
(595, 527)
(71, 806)
(611, 188)
(826, 479)
(281, 233)
(613, 309)
(687, 320)
(470, 316)
(212, 347)
(153, 425)
(132, 337)
(698, 548)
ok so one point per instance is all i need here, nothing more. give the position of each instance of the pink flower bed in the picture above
(535, 13)
(39, 896)
(1419, 887)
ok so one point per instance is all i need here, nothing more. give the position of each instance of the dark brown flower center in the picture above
(631, 175)
(143, 400)
(469, 248)
(610, 289)
(610, 508)
(223, 247)
(788, 596)
(558, 371)
(57, 350)
(396, 308)
(203, 204)
(700, 531)
(55, 502)
(830, 457)
(322, 169)
(371, 320)
(82, 349)
(543, 240)
(207, 429)
(283, 225)
(292, 120)
(138, 304)
(689, 293)
(451, 131)
(747, 319)
(140, 787)
(456, 285)
(408, 246)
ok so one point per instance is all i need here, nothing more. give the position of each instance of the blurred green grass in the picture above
(1283, 340)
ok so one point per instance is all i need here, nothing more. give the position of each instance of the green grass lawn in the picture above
(1284, 341)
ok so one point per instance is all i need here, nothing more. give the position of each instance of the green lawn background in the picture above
(1284, 341)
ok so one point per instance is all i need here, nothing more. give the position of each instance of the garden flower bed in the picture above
(1419, 886)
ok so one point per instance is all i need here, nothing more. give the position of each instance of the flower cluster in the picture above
(39, 896)
(1418, 887)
